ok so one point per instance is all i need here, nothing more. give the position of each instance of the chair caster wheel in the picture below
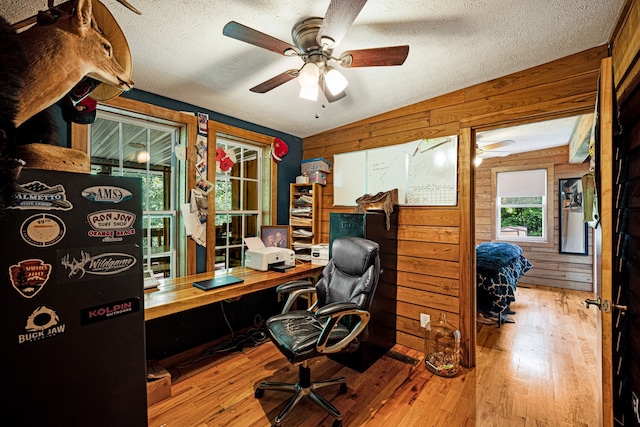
(343, 389)
(258, 393)
(337, 423)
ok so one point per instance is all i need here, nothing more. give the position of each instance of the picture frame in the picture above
(275, 236)
(573, 231)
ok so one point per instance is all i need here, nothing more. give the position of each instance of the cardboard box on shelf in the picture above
(316, 164)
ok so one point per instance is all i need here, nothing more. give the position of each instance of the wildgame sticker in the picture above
(94, 262)
(109, 311)
(28, 277)
(41, 324)
(106, 194)
(111, 225)
(43, 230)
(38, 195)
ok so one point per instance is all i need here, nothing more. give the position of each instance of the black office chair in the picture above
(336, 322)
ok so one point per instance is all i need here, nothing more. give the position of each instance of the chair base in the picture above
(304, 387)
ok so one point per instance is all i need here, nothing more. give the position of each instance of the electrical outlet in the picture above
(424, 319)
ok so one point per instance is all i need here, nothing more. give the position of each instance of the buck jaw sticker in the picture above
(42, 230)
(111, 225)
(38, 195)
(106, 194)
(28, 277)
(92, 263)
(42, 323)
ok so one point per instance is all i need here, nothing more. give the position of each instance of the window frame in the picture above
(550, 222)
(188, 136)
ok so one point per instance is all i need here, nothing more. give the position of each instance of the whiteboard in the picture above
(423, 171)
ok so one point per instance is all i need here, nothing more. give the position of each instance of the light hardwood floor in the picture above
(540, 371)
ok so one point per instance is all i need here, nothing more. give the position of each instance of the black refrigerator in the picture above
(73, 339)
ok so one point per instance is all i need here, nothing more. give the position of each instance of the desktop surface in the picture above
(179, 294)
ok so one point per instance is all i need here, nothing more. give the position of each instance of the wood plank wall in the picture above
(433, 270)
(551, 268)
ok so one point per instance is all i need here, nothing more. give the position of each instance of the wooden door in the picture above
(604, 232)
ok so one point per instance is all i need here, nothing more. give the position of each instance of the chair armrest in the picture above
(334, 312)
(294, 289)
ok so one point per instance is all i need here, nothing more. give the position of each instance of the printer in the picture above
(262, 258)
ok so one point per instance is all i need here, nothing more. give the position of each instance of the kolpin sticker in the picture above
(106, 194)
(42, 230)
(28, 277)
(108, 311)
(42, 323)
(38, 195)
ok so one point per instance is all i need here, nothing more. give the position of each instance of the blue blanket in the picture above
(499, 266)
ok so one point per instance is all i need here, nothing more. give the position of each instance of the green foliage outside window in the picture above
(514, 214)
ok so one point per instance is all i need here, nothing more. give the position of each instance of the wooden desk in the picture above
(176, 295)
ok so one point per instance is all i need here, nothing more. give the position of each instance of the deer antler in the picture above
(66, 6)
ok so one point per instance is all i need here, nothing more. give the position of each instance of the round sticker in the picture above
(43, 230)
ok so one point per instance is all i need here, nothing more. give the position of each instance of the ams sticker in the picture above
(38, 195)
(111, 225)
(28, 277)
(41, 324)
(92, 263)
(42, 230)
(106, 194)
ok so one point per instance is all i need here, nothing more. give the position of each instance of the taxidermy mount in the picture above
(40, 65)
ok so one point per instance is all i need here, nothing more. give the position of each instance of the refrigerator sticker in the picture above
(106, 194)
(42, 230)
(92, 263)
(29, 276)
(41, 324)
(38, 195)
(109, 311)
(111, 225)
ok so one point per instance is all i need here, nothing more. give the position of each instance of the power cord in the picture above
(255, 336)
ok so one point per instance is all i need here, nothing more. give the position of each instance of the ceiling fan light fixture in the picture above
(336, 82)
(310, 93)
(308, 77)
(477, 161)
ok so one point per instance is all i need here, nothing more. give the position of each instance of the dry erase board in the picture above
(423, 171)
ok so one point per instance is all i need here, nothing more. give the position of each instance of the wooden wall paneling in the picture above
(467, 300)
(427, 234)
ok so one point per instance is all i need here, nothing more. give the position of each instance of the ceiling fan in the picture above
(314, 40)
(493, 149)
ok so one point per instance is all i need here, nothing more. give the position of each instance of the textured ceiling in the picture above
(179, 51)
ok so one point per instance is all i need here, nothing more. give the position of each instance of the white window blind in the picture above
(529, 183)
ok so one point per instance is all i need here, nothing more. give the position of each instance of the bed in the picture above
(499, 267)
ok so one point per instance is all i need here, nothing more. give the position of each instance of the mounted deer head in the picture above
(60, 55)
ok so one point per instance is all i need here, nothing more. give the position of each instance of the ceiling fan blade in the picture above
(498, 144)
(249, 35)
(339, 17)
(274, 82)
(376, 57)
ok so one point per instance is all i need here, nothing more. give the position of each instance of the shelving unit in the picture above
(304, 218)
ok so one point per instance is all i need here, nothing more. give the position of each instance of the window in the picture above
(238, 203)
(521, 205)
(143, 147)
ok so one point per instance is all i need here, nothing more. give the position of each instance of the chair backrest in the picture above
(352, 273)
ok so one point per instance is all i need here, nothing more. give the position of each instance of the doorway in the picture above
(549, 298)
